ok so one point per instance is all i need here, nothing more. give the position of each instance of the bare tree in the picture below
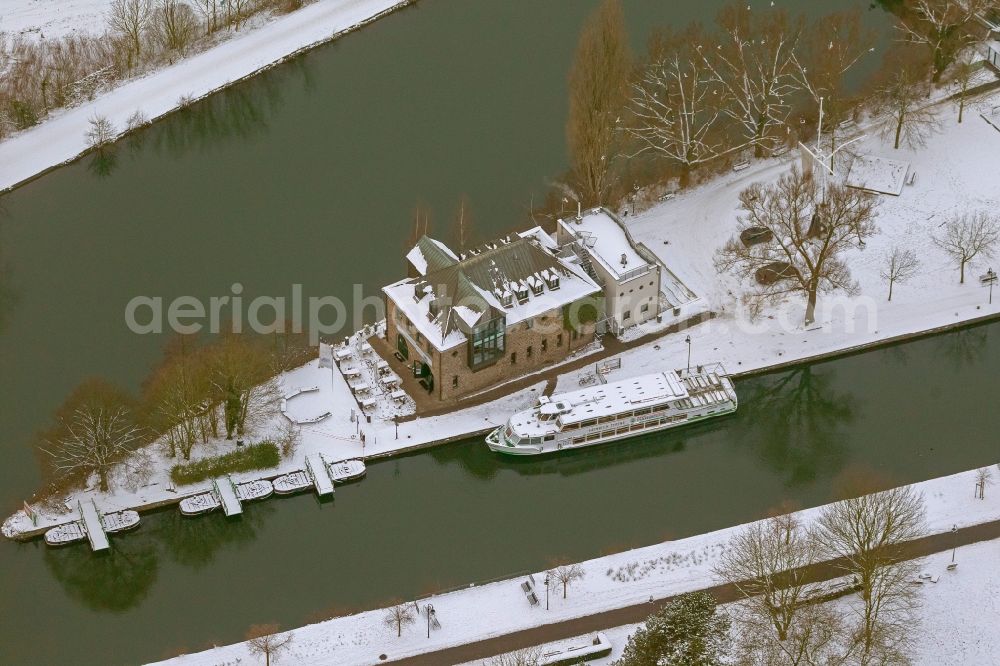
(97, 441)
(765, 561)
(397, 617)
(100, 133)
(565, 574)
(817, 636)
(866, 533)
(131, 19)
(965, 70)
(984, 477)
(943, 27)
(527, 657)
(174, 24)
(968, 236)
(829, 48)
(598, 84)
(908, 119)
(898, 265)
(210, 11)
(755, 65)
(676, 104)
(264, 640)
(289, 437)
(808, 231)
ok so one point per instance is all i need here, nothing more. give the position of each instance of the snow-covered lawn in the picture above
(957, 171)
(61, 137)
(52, 19)
(957, 618)
(610, 582)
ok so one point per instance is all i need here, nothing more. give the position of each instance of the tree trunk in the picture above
(103, 475)
(961, 273)
(899, 128)
(811, 305)
(890, 290)
(961, 107)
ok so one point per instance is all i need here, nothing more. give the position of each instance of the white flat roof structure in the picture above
(92, 522)
(320, 475)
(602, 400)
(878, 174)
(227, 494)
(607, 241)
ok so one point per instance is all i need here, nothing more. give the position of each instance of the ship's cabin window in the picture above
(549, 438)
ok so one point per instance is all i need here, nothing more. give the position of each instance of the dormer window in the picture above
(522, 293)
(507, 299)
(536, 287)
(553, 282)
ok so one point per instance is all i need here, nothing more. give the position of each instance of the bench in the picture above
(912, 178)
(739, 166)
(529, 593)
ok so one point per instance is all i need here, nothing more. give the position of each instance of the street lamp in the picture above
(991, 279)
(546, 591)
(395, 419)
(954, 546)
(430, 613)
(688, 341)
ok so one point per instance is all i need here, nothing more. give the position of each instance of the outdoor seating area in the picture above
(376, 387)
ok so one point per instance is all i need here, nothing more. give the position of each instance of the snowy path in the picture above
(61, 137)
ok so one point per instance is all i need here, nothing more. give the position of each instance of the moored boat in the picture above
(347, 470)
(293, 482)
(617, 410)
(254, 490)
(120, 521)
(60, 535)
(198, 504)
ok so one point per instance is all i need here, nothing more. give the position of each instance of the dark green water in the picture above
(309, 175)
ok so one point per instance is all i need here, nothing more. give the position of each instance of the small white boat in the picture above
(199, 504)
(254, 490)
(60, 535)
(119, 521)
(346, 470)
(293, 482)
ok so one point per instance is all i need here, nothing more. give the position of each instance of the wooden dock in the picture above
(320, 474)
(227, 495)
(92, 524)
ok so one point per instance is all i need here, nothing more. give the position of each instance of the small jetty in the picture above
(226, 490)
(347, 470)
(320, 474)
(93, 525)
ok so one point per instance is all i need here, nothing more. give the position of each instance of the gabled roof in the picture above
(430, 255)
(447, 302)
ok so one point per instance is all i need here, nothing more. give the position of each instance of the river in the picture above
(308, 174)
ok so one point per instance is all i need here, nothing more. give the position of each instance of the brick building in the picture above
(505, 309)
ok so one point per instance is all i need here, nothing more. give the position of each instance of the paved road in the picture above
(630, 614)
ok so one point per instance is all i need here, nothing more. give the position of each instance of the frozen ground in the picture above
(613, 581)
(51, 19)
(61, 137)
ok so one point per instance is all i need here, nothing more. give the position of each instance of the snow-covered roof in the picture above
(602, 400)
(606, 240)
(430, 254)
(517, 278)
(877, 174)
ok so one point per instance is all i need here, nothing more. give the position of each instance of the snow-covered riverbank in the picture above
(956, 172)
(61, 137)
(613, 581)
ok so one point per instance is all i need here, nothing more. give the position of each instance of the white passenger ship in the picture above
(617, 410)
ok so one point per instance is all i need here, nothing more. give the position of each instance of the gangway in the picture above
(92, 523)
(320, 474)
(227, 495)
